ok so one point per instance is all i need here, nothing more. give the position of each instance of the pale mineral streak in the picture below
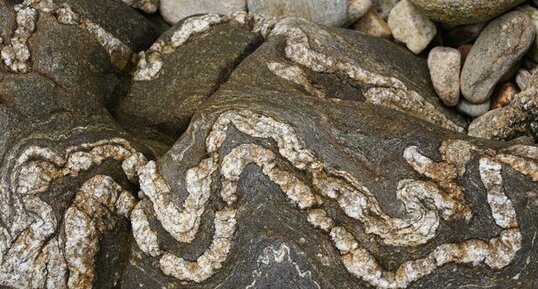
(119, 52)
(212, 259)
(295, 74)
(496, 253)
(150, 62)
(145, 237)
(379, 89)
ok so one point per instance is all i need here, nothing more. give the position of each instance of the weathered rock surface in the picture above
(297, 172)
(176, 10)
(182, 69)
(458, 12)
(502, 43)
(326, 12)
(520, 118)
(532, 12)
(161, 102)
(411, 27)
(444, 64)
(323, 184)
(64, 192)
(343, 64)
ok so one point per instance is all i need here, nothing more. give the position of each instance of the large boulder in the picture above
(307, 168)
(276, 188)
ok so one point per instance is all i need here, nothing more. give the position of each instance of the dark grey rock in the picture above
(159, 107)
(84, 47)
(346, 65)
(286, 177)
(500, 46)
(56, 147)
(355, 140)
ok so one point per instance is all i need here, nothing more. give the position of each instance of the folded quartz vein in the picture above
(249, 155)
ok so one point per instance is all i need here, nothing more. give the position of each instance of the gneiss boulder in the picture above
(339, 63)
(310, 167)
(280, 188)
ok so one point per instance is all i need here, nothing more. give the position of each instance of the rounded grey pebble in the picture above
(459, 12)
(444, 64)
(472, 109)
(499, 47)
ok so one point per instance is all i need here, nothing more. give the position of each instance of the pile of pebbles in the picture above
(480, 53)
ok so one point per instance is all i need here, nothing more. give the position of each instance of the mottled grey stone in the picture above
(76, 60)
(458, 12)
(409, 26)
(445, 64)
(354, 137)
(501, 44)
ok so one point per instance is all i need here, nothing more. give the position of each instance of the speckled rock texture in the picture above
(327, 12)
(305, 168)
(444, 64)
(500, 46)
(273, 147)
(458, 12)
